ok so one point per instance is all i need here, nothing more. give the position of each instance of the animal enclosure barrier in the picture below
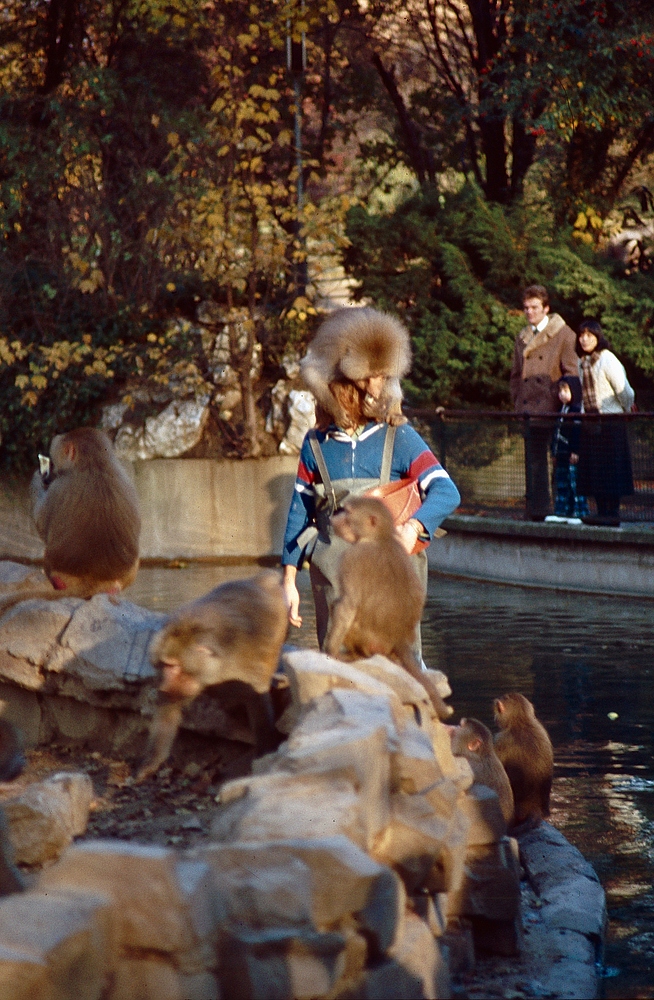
(484, 453)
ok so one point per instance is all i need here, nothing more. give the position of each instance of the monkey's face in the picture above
(184, 660)
(465, 741)
(373, 386)
(343, 527)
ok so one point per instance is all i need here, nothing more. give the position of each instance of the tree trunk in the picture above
(523, 148)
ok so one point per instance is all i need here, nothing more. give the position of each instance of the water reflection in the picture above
(585, 661)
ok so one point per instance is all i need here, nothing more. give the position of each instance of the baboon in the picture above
(381, 598)
(474, 741)
(352, 345)
(526, 752)
(86, 511)
(233, 637)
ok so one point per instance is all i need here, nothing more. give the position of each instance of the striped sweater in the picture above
(360, 458)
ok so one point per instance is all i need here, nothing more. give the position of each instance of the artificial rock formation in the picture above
(357, 861)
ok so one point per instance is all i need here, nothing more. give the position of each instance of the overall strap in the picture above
(387, 456)
(322, 468)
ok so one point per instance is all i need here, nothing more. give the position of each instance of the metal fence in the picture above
(484, 452)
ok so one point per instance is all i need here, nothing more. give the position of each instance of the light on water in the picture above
(586, 663)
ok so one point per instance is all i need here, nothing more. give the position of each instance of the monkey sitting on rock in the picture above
(86, 511)
(380, 596)
(474, 741)
(525, 750)
(232, 636)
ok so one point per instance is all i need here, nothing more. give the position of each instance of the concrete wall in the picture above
(195, 508)
(591, 560)
(191, 508)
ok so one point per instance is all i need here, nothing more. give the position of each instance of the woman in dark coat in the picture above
(604, 459)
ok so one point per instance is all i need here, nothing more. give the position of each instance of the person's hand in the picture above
(292, 595)
(407, 534)
(573, 458)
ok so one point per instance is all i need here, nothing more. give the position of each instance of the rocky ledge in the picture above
(357, 861)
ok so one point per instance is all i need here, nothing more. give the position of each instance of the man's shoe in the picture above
(556, 519)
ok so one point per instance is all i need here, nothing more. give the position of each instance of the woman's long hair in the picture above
(592, 326)
(351, 399)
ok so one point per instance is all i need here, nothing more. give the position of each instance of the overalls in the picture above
(324, 547)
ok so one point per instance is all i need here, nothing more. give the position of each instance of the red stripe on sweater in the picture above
(426, 460)
(304, 474)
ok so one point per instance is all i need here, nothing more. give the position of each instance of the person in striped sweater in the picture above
(349, 442)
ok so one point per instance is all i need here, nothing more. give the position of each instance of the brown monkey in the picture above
(87, 515)
(526, 752)
(381, 598)
(354, 345)
(86, 511)
(474, 741)
(233, 634)
(12, 762)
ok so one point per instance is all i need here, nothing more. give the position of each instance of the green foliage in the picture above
(454, 267)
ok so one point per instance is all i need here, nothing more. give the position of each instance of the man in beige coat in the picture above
(544, 352)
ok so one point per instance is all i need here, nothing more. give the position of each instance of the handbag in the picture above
(402, 497)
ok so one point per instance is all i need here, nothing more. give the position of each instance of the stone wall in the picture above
(357, 861)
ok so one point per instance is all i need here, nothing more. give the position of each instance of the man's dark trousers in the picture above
(537, 473)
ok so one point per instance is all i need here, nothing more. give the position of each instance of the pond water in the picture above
(586, 663)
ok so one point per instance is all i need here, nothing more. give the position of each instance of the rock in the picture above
(359, 753)
(578, 904)
(281, 964)
(414, 767)
(28, 633)
(267, 807)
(147, 978)
(16, 576)
(200, 986)
(23, 710)
(23, 976)
(107, 643)
(408, 690)
(45, 816)
(481, 807)
(430, 908)
(314, 885)
(425, 849)
(491, 884)
(175, 430)
(160, 904)
(312, 674)
(63, 944)
(302, 415)
(415, 968)
(567, 884)
(459, 941)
